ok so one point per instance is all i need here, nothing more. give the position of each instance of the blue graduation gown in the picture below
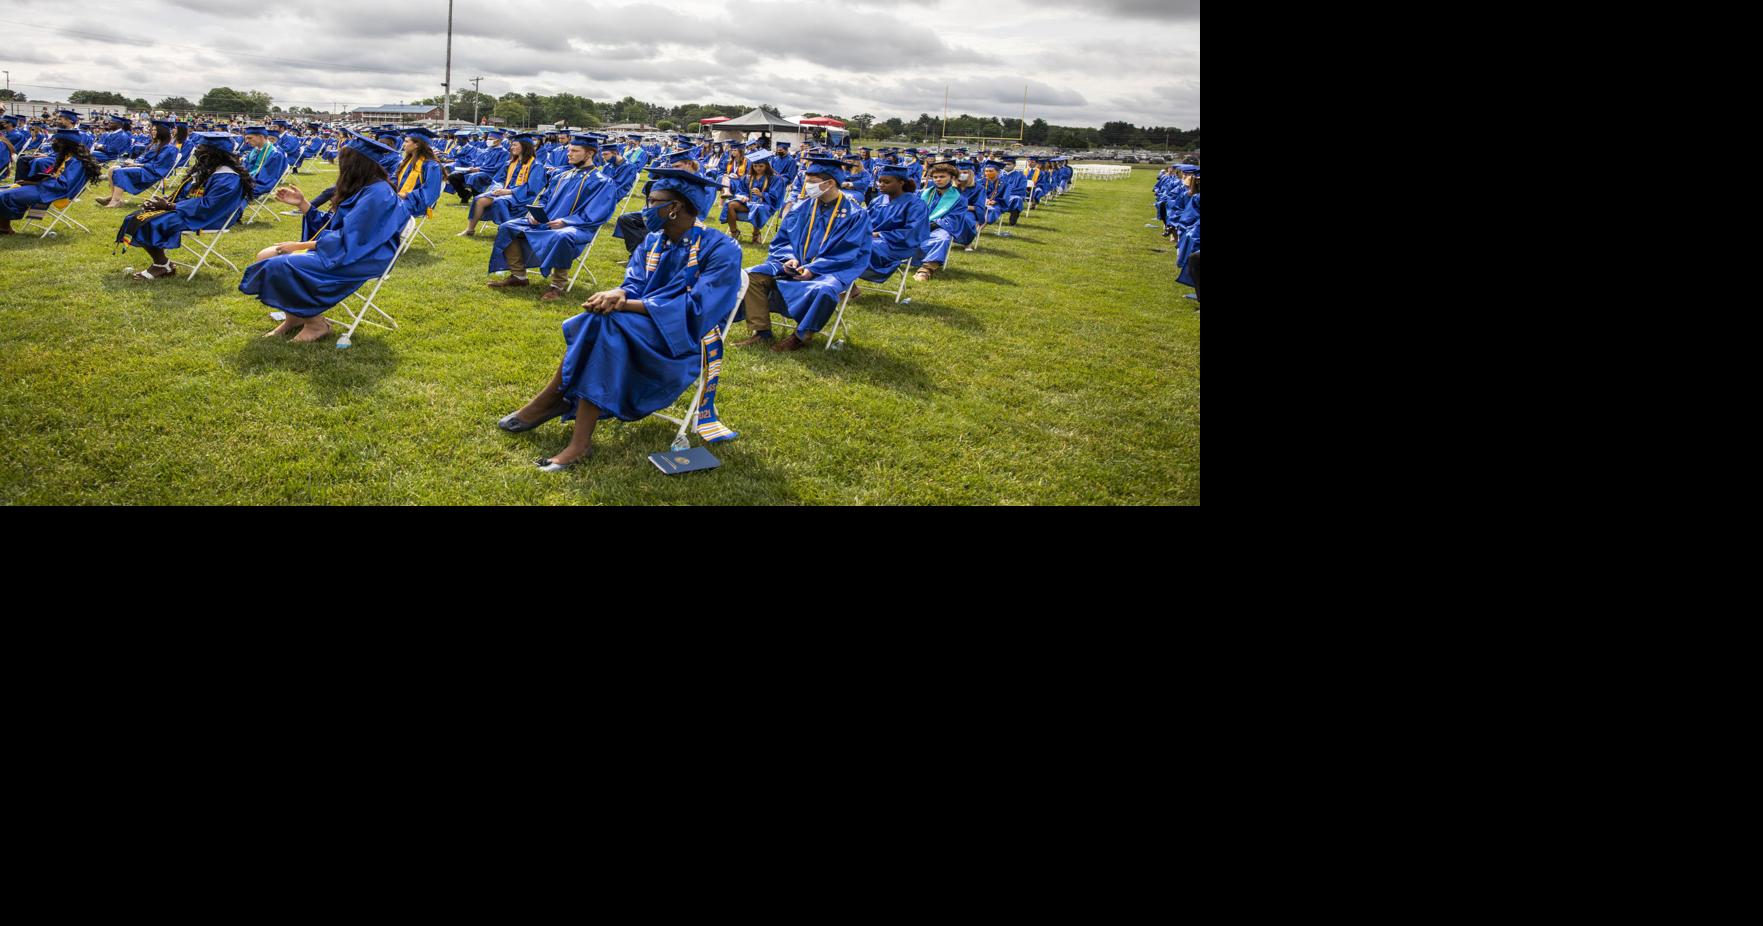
(903, 222)
(630, 364)
(857, 184)
(1189, 225)
(1015, 190)
(991, 191)
(112, 146)
(15, 202)
(582, 199)
(487, 169)
(220, 203)
(154, 166)
(786, 168)
(356, 245)
(503, 208)
(837, 259)
(956, 226)
(420, 201)
(266, 164)
(637, 157)
(761, 202)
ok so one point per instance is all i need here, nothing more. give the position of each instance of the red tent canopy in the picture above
(713, 120)
(822, 120)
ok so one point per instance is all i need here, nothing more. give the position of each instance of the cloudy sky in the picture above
(1084, 63)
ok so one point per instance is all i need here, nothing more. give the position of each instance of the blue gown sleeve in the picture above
(684, 315)
(636, 270)
(369, 219)
(847, 252)
(71, 179)
(598, 201)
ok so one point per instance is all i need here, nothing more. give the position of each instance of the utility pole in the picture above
(1022, 127)
(447, 83)
(475, 93)
(945, 113)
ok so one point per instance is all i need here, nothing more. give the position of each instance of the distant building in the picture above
(632, 127)
(395, 114)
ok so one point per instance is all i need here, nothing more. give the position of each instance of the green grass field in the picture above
(1058, 366)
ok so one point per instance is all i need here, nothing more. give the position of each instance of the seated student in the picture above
(1015, 193)
(473, 179)
(636, 348)
(13, 139)
(156, 162)
(314, 142)
(992, 193)
(116, 143)
(292, 145)
(180, 138)
(517, 186)
(356, 244)
(418, 178)
(784, 164)
(753, 197)
(263, 161)
(899, 222)
(62, 178)
(950, 220)
(1175, 202)
(576, 202)
(621, 172)
(1187, 225)
(629, 226)
(634, 154)
(393, 139)
(817, 254)
(857, 179)
(211, 197)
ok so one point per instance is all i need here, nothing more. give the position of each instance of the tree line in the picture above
(532, 109)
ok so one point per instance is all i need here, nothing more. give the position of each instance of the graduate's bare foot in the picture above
(541, 408)
(571, 454)
(286, 327)
(313, 329)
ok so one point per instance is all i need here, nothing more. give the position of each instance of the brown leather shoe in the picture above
(757, 338)
(790, 343)
(551, 294)
(508, 282)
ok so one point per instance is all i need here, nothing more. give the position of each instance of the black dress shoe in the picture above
(546, 466)
(513, 425)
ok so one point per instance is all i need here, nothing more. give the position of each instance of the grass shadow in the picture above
(334, 374)
(860, 363)
(980, 275)
(932, 309)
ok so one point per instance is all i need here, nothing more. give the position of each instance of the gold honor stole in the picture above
(509, 182)
(410, 177)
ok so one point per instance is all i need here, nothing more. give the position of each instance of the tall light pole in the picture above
(447, 84)
(475, 93)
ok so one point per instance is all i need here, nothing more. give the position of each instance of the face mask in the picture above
(813, 190)
(653, 220)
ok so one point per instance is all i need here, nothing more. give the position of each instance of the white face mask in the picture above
(814, 190)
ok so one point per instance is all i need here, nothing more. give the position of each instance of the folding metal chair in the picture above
(359, 315)
(56, 212)
(581, 262)
(833, 341)
(410, 239)
(192, 239)
(260, 204)
(706, 367)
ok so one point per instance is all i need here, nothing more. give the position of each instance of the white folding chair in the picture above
(706, 368)
(192, 239)
(410, 236)
(359, 315)
(833, 341)
(581, 262)
(260, 204)
(904, 271)
(56, 215)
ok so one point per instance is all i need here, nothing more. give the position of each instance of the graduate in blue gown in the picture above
(1015, 195)
(991, 197)
(637, 348)
(14, 138)
(356, 244)
(264, 161)
(63, 177)
(753, 198)
(292, 145)
(1187, 227)
(418, 177)
(950, 221)
(210, 198)
(635, 154)
(857, 180)
(155, 163)
(518, 184)
(899, 223)
(116, 143)
(821, 247)
(576, 202)
(489, 164)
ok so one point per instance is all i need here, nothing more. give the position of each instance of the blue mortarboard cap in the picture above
(68, 135)
(759, 157)
(894, 170)
(585, 141)
(633, 136)
(462, 133)
(995, 165)
(367, 146)
(830, 167)
(1189, 169)
(965, 165)
(68, 114)
(674, 157)
(526, 136)
(422, 132)
(219, 140)
(700, 190)
(256, 130)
